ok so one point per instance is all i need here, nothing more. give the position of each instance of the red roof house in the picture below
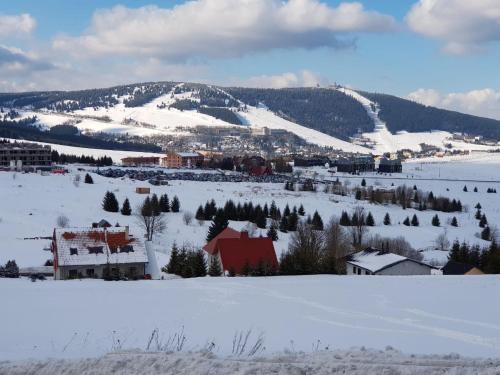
(236, 251)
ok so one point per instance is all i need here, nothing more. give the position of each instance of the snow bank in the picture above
(355, 362)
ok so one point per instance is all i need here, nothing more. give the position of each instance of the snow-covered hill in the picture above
(385, 141)
(319, 116)
(156, 117)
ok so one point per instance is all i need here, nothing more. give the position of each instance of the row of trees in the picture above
(103, 161)
(10, 270)
(110, 204)
(486, 259)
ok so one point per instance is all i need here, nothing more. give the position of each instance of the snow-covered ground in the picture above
(356, 361)
(416, 314)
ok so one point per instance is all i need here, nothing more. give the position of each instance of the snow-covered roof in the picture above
(375, 260)
(97, 246)
(188, 154)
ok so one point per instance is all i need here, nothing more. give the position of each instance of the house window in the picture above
(367, 272)
(126, 249)
(73, 274)
(90, 272)
(95, 249)
(73, 251)
(359, 271)
(353, 269)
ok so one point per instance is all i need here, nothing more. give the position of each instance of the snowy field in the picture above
(419, 315)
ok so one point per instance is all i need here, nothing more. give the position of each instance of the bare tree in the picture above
(337, 246)
(76, 180)
(358, 227)
(150, 218)
(62, 221)
(442, 242)
(187, 217)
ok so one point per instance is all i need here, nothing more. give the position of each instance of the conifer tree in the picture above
(486, 234)
(283, 224)
(219, 223)
(110, 203)
(88, 179)
(198, 263)
(363, 182)
(126, 210)
(478, 214)
(465, 188)
(344, 219)
(286, 212)
(164, 203)
(293, 221)
(455, 252)
(273, 211)
(454, 222)
(309, 220)
(260, 219)
(301, 211)
(155, 205)
(414, 221)
(406, 221)
(483, 222)
(317, 221)
(435, 221)
(174, 265)
(272, 232)
(478, 206)
(266, 210)
(358, 195)
(475, 189)
(176, 205)
(200, 213)
(370, 221)
(387, 219)
(214, 269)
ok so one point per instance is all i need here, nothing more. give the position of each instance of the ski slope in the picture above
(385, 141)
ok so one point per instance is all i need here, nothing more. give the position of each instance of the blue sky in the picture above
(436, 55)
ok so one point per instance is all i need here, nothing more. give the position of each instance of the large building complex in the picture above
(20, 155)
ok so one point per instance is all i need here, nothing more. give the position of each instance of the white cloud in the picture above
(485, 102)
(16, 25)
(222, 28)
(464, 26)
(305, 78)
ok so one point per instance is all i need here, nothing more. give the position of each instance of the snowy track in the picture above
(355, 361)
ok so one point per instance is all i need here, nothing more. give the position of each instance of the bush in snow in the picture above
(62, 221)
(88, 179)
(187, 218)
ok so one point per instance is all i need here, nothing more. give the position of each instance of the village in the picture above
(113, 252)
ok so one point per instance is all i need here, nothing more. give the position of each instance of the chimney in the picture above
(244, 235)
(126, 233)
